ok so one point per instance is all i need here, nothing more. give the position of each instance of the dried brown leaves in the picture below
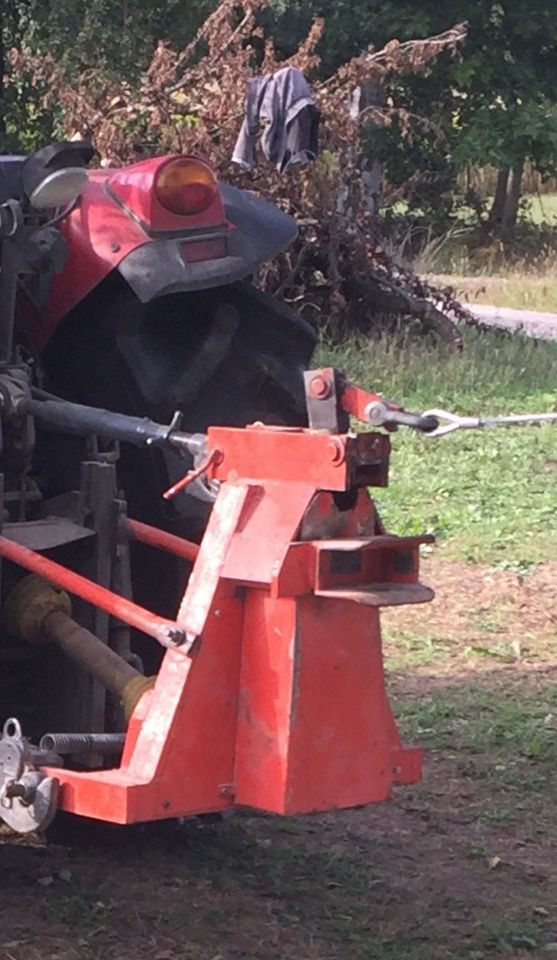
(193, 101)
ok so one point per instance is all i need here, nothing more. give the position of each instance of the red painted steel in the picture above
(293, 455)
(134, 187)
(355, 400)
(288, 456)
(280, 702)
(160, 539)
(203, 583)
(103, 229)
(314, 725)
(132, 614)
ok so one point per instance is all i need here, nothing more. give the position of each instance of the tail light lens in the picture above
(186, 186)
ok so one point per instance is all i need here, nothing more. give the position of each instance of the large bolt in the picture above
(336, 451)
(171, 636)
(319, 387)
(13, 790)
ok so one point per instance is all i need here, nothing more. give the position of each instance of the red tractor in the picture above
(151, 398)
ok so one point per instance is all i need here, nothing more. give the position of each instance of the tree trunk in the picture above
(370, 94)
(514, 193)
(498, 205)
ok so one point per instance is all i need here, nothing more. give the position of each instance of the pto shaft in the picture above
(37, 612)
(89, 652)
(167, 633)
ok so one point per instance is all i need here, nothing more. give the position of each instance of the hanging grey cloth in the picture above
(281, 111)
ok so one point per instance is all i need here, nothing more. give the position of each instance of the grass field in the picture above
(523, 277)
(521, 290)
(487, 496)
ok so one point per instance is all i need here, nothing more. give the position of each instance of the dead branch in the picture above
(193, 101)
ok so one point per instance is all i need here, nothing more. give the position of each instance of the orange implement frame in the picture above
(276, 699)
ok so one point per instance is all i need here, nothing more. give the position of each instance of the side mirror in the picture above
(55, 176)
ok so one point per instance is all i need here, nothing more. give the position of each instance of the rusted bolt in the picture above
(227, 790)
(336, 451)
(171, 635)
(319, 387)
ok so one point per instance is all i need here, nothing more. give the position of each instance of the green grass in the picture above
(406, 651)
(540, 209)
(492, 728)
(529, 290)
(535, 209)
(487, 496)
(521, 275)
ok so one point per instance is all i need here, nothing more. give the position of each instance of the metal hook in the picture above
(449, 422)
(453, 422)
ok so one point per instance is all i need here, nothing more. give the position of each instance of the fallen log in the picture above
(529, 323)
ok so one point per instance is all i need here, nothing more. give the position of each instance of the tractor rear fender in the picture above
(158, 254)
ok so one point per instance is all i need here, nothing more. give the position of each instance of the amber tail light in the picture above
(186, 186)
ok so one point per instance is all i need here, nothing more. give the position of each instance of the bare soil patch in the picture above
(463, 865)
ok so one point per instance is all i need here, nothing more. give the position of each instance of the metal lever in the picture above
(453, 422)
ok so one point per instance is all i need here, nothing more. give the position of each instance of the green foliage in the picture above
(118, 39)
(502, 134)
(419, 168)
(495, 105)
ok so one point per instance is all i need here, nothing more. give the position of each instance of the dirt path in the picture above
(462, 866)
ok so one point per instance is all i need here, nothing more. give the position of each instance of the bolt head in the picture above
(336, 451)
(173, 636)
(319, 387)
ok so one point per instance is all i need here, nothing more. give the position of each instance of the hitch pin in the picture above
(453, 422)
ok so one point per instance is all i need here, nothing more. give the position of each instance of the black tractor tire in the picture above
(227, 356)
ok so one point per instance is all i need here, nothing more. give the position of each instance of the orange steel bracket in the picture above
(277, 699)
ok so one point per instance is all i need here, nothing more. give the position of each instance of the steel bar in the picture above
(167, 633)
(449, 422)
(379, 413)
(161, 539)
(61, 416)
